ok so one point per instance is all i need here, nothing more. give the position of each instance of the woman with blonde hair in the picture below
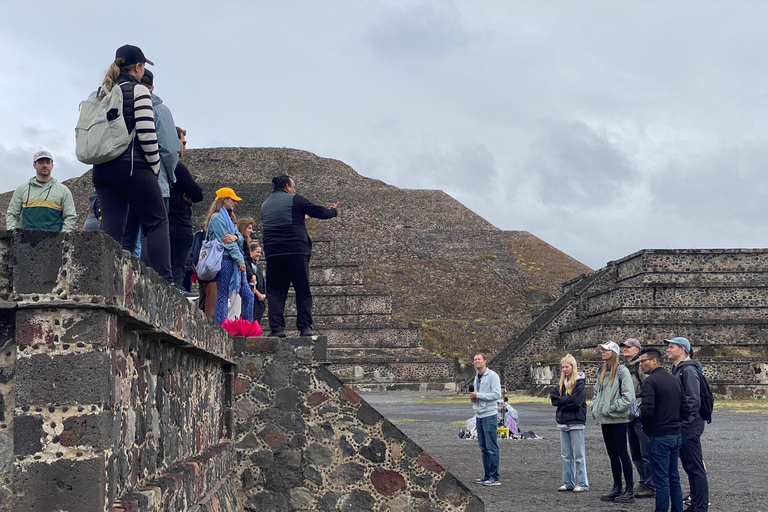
(614, 393)
(570, 398)
(130, 179)
(220, 224)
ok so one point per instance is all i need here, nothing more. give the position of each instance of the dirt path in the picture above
(735, 449)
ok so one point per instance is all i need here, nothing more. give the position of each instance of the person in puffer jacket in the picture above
(570, 398)
(131, 178)
(614, 393)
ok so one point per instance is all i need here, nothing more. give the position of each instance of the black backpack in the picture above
(705, 393)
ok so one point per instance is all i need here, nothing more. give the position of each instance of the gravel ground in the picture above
(735, 447)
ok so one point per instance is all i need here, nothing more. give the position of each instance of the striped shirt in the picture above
(144, 118)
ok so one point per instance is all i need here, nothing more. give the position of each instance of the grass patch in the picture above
(489, 257)
(758, 406)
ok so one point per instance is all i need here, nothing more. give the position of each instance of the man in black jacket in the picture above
(660, 415)
(287, 248)
(184, 192)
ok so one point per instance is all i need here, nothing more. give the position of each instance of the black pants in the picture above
(282, 271)
(118, 190)
(131, 234)
(615, 438)
(693, 464)
(181, 243)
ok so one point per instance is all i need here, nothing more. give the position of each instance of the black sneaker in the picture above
(626, 497)
(185, 293)
(307, 331)
(616, 491)
(277, 334)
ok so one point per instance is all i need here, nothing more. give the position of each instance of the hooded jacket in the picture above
(47, 206)
(571, 409)
(169, 143)
(688, 373)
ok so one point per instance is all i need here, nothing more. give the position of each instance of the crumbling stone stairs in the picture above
(367, 347)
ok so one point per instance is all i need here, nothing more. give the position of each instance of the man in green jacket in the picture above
(42, 202)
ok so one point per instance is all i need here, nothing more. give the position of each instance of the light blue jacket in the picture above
(218, 229)
(169, 143)
(488, 394)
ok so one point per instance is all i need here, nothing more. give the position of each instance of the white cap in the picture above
(609, 345)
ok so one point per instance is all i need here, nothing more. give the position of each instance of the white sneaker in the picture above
(564, 488)
(579, 489)
(480, 480)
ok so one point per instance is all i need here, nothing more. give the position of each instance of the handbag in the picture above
(209, 262)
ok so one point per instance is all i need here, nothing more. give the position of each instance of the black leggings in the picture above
(615, 437)
(118, 189)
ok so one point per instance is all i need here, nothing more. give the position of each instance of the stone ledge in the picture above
(183, 486)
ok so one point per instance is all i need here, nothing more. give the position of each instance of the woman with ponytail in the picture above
(570, 399)
(131, 178)
(614, 393)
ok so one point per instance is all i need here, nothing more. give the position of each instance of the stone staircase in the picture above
(367, 348)
(718, 299)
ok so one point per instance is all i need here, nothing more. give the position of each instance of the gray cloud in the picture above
(718, 187)
(578, 165)
(424, 29)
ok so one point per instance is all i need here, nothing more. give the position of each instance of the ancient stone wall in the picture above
(116, 394)
(718, 299)
(116, 390)
(306, 441)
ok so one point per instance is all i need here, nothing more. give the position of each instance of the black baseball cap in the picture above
(132, 55)
(148, 78)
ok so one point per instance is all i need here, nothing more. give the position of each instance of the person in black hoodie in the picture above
(570, 399)
(687, 371)
(660, 413)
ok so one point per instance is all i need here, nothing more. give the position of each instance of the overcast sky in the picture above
(601, 127)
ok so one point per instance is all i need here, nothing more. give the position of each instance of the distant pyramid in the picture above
(402, 279)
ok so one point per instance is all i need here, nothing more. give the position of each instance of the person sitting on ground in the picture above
(570, 398)
(220, 224)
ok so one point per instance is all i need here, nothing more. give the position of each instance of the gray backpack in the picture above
(101, 134)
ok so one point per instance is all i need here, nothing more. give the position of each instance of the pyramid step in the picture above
(368, 354)
(329, 322)
(391, 373)
(395, 336)
(326, 273)
(369, 303)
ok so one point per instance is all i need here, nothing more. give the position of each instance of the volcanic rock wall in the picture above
(116, 393)
(717, 298)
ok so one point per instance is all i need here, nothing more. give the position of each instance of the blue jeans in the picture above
(693, 464)
(663, 452)
(486, 439)
(574, 460)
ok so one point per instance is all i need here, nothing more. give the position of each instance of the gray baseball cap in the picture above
(42, 154)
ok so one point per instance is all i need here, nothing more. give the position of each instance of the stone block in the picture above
(63, 379)
(37, 258)
(387, 482)
(87, 272)
(27, 434)
(88, 430)
(61, 485)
